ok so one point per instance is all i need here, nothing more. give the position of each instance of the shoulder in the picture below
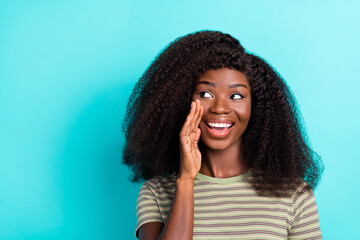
(304, 215)
(158, 184)
(154, 200)
(303, 189)
(303, 199)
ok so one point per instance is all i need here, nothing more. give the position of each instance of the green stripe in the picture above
(160, 192)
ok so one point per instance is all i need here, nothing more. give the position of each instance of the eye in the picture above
(236, 96)
(205, 94)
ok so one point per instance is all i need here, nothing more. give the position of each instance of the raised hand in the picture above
(190, 156)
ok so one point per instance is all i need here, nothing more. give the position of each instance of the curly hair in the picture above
(274, 144)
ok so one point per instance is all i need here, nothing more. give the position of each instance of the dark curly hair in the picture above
(274, 144)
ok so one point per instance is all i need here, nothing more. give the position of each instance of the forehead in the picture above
(224, 76)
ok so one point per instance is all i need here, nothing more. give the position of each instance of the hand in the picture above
(190, 156)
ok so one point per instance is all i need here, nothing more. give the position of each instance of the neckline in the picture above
(242, 176)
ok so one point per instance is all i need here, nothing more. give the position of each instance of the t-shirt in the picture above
(230, 208)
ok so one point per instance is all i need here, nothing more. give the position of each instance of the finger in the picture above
(199, 116)
(191, 118)
(197, 137)
(192, 110)
(185, 127)
(183, 130)
(192, 115)
(196, 114)
(188, 118)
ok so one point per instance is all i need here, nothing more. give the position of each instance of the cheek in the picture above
(206, 104)
(244, 113)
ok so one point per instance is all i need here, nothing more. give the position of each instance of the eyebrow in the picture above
(234, 85)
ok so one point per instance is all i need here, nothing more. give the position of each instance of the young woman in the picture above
(216, 134)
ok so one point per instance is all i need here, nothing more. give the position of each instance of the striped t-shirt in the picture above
(229, 208)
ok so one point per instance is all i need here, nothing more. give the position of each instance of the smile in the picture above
(218, 129)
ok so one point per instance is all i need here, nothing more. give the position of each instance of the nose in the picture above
(220, 106)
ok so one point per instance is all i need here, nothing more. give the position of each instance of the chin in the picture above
(216, 145)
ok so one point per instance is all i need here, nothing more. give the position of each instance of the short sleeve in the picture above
(147, 208)
(305, 213)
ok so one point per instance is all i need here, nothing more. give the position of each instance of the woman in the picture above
(216, 133)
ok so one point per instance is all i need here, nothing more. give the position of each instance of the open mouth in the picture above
(219, 126)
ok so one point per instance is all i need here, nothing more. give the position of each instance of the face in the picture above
(226, 99)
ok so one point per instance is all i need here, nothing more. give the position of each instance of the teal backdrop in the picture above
(67, 69)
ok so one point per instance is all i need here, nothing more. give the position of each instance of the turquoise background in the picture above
(67, 69)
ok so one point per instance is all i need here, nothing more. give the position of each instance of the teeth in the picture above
(220, 125)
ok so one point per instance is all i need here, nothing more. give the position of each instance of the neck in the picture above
(223, 163)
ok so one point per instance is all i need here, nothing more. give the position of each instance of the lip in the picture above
(218, 134)
(219, 120)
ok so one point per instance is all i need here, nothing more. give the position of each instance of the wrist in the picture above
(185, 178)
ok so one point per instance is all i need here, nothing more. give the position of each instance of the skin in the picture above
(225, 95)
(219, 95)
